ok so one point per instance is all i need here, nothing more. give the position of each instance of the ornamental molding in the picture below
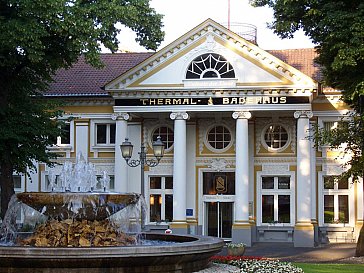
(333, 169)
(276, 160)
(242, 115)
(218, 164)
(275, 168)
(120, 116)
(109, 167)
(179, 116)
(161, 169)
(303, 114)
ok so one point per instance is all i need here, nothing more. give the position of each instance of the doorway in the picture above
(219, 219)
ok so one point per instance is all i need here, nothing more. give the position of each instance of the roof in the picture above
(84, 80)
(301, 59)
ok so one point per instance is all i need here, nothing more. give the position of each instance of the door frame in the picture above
(202, 199)
(205, 225)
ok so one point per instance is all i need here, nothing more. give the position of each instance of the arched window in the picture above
(210, 65)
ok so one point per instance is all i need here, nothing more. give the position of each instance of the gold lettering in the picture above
(151, 101)
(168, 101)
(266, 99)
(160, 101)
(185, 101)
(259, 100)
(242, 101)
(225, 100)
(249, 100)
(144, 101)
(282, 99)
(275, 100)
(234, 101)
(176, 101)
(193, 102)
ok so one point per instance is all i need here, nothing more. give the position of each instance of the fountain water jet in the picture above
(177, 254)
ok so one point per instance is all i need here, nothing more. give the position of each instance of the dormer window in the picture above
(209, 66)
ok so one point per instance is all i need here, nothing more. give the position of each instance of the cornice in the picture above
(195, 36)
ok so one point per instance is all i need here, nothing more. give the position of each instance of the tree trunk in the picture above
(6, 186)
(360, 244)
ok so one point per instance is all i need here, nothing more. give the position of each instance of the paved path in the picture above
(330, 253)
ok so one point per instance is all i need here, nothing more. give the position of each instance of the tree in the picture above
(36, 39)
(337, 28)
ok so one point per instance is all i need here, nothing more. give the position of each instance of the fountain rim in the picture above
(198, 244)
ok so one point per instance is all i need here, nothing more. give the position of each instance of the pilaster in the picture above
(121, 168)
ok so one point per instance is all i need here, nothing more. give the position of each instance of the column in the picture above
(314, 201)
(304, 232)
(179, 224)
(121, 168)
(242, 229)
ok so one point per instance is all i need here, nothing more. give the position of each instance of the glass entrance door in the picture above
(219, 219)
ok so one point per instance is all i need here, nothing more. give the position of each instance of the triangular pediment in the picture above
(254, 67)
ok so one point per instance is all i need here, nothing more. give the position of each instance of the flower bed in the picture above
(250, 264)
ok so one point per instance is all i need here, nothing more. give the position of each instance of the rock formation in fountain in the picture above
(77, 212)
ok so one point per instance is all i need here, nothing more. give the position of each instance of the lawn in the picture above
(249, 264)
(331, 268)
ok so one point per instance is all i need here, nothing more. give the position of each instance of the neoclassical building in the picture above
(235, 120)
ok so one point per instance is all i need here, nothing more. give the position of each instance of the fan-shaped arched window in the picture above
(210, 65)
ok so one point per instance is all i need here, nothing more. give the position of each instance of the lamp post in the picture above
(127, 151)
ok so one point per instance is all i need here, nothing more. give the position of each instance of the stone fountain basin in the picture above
(189, 254)
(83, 205)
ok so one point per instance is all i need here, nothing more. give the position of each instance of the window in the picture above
(161, 198)
(219, 138)
(17, 182)
(210, 65)
(105, 134)
(166, 134)
(65, 138)
(275, 138)
(276, 199)
(336, 200)
(219, 183)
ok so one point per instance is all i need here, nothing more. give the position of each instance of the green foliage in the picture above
(30, 128)
(330, 268)
(337, 27)
(39, 37)
(36, 39)
(348, 136)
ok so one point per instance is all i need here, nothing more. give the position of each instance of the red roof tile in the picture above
(85, 80)
(82, 79)
(301, 59)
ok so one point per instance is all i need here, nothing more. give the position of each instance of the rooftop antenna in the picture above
(229, 14)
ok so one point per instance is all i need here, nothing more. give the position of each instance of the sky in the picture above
(180, 16)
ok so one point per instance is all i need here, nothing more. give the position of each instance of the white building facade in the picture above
(239, 162)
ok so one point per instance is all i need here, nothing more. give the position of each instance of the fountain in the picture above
(79, 226)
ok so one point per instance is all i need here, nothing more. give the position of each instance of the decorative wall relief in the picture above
(218, 164)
